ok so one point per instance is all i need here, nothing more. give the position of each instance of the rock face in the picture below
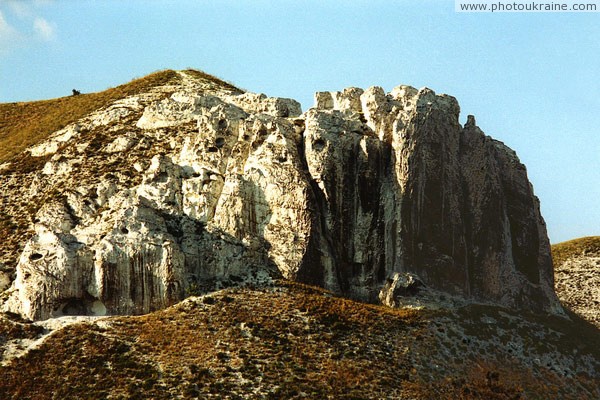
(161, 194)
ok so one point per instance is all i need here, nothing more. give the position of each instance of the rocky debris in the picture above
(577, 273)
(156, 196)
(578, 285)
(407, 291)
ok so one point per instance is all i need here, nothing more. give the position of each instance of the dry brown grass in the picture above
(12, 327)
(290, 341)
(585, 245)
(26, 123)
(204, 76)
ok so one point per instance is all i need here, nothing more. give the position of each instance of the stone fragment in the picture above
(399, 285)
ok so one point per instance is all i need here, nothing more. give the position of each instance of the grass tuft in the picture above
(561, 252)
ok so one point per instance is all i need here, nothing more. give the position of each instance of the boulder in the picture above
(400, 285)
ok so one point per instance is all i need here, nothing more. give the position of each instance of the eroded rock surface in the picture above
(159, 196)
(578, 285)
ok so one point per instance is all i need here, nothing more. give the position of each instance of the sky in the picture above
(531, 79)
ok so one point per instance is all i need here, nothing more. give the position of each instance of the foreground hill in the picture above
(577, 276)
(293, 341)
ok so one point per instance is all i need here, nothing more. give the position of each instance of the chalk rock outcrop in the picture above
(405, 188)
(400, 285)
(209, 186)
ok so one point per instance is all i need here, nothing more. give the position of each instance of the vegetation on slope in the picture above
(576, 247)
(12, 327)
(24, 124)
(290, 341)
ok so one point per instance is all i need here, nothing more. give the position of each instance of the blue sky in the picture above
(531, 79)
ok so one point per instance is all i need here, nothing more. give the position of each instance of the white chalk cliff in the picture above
(196, 185)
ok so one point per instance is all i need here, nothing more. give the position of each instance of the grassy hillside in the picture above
(586, 245)
(291, 341)
(26, 123)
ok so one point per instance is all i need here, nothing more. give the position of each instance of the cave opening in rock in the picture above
(318, 144)
(88, 305)
(74, 306)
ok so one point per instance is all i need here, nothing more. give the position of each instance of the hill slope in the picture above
(23, 124)
(577, 276)
(294, 341)
(27, 124)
